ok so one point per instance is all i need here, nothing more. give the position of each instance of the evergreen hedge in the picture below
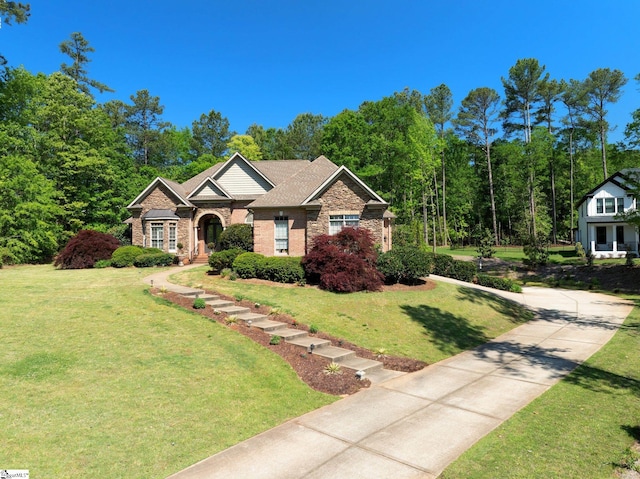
(223, 259)
(147, 260)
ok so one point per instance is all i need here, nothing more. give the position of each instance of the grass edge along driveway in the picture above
(579, 428)
(99, 378)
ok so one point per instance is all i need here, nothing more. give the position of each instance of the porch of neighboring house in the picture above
(612, 240)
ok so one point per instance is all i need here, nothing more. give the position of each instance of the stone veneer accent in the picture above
(160, 198)
(345, 195)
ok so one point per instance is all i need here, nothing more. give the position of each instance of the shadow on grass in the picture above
(633, 431)
(529, 362)
(516, 313)
(449, 333)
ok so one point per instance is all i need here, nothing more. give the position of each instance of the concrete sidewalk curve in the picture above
(415, 425)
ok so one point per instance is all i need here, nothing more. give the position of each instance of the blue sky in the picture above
(264, 62)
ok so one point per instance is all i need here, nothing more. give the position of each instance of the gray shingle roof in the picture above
(192, 183)
(160, 215)
(297, 188)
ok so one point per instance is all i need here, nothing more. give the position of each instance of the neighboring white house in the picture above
(598, 229)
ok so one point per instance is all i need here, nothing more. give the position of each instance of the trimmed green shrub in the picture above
(405, 264)
(103, 263)
(463, 270)
(283, 269)
(125, 256)
(442, 264)
(237, 236)
(85, 248)
(249, 265)
(504, 284)
(275, 340)
(148, 260)
(199, 303)
(223, 259)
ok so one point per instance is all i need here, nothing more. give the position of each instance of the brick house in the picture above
(288, 203)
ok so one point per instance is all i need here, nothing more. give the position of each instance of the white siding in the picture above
(240, 179)
(608, 190)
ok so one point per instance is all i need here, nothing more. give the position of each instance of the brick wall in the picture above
(264, 234)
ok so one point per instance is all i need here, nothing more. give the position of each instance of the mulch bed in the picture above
(309, 367)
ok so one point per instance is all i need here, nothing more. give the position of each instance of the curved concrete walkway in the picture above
(417, 424)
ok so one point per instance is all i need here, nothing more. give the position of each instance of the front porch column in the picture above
(195, 241)
(592, 239)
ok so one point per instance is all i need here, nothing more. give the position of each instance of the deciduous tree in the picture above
(246, 146)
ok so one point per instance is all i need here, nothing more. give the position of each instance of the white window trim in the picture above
(154, 238)
(280, 220)
(339, 221)
(602, 201)
(173, 241)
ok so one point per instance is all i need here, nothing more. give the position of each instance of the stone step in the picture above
(361, 364)
(195, 292)
(288, 334)
(220, 303)
(233, 309)
(337, 355)
(253, 317)
(205, 296)
(269, 326)
(307, 341)
(378, 376)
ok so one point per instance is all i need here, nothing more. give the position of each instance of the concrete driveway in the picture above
(415, 425)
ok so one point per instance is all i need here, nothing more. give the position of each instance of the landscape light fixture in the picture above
(311, 348)
(360, 375)
(152, 283)
(249, 323)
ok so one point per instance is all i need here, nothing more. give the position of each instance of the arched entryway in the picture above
(209, 229)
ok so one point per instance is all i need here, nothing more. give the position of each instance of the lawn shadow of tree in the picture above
(450, 333)
(508, 356)
(516, 313)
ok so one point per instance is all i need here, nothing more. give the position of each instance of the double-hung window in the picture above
(337, 222)
(609, 206)
(173, 234)
(281, 235)
(157, 235)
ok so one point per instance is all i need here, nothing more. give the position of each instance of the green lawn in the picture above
(99, 379)
(557, 254)
(427, 325)
(579, 428)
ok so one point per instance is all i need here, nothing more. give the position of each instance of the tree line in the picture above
(509, 165)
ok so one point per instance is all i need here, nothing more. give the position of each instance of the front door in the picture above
(210, 230)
